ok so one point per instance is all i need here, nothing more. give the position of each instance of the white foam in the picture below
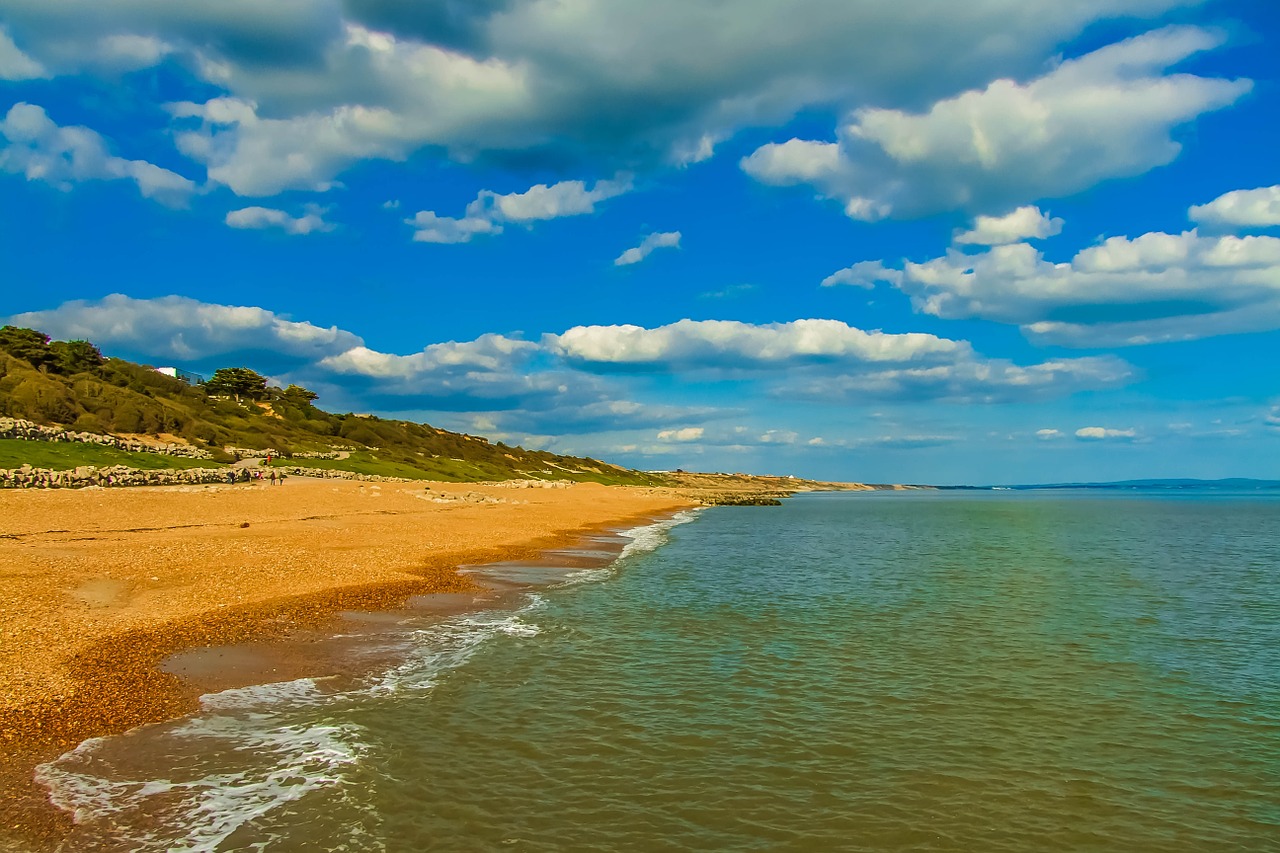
(650, 537)
(643, 539)
(201, 803)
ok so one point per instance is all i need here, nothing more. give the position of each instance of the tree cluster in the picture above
(63, 357)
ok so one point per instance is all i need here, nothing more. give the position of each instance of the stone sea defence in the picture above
(28, 477)
(28, 431)
(332, 474)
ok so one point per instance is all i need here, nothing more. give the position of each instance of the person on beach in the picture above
(273, 476)
(231, 478)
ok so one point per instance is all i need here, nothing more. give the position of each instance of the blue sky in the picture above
(990, 242)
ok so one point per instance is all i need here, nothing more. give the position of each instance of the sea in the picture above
(875, 671)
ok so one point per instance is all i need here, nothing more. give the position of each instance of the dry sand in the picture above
(101, 585)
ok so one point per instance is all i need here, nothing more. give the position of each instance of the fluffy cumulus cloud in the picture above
(1049, 434)
(310, 222)
(34, 146)
(1123, 291)
(1108, 114)
(175, 327)
(657, 240)
(864, 274)
(486, 214)
(830, 361)
(1096, 433)
(306, 88)
(1258, 208)
(700, 344)
(1024, 223)
(490, 372)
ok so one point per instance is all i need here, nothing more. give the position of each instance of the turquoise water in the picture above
(886, 671)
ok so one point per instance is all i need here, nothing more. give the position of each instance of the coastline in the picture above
(107, 585)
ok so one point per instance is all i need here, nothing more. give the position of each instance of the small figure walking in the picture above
(273, 477)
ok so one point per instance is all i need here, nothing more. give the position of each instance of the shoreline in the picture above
(108, 673)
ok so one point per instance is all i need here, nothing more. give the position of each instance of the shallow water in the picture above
(887, 671)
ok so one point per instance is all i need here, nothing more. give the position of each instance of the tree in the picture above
(75, 356)
(238, 382)
(300, 396)
(27, 344)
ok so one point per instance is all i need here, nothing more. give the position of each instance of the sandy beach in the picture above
(102, 585)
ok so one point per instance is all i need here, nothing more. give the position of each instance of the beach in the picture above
(103, 585)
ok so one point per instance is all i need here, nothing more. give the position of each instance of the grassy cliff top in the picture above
(69, 384)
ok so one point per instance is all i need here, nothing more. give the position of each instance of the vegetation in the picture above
(239, 382)
(65, 455)
(71, 384)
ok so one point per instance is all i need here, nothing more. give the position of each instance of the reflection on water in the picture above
(941, 672)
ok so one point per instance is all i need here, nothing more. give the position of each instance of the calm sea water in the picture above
(887, 672)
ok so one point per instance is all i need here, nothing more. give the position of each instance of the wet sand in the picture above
(102, 586)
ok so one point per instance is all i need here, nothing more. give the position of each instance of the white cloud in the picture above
(693, 344)
(1024, 223)
(829, 361)
(685, 434)
(14, 64)
(1049, 434)
(486, 214)
(175, 327)
(1103, 433)
(657, 240)
(1123, 291)
(488, 353)
(40, 150)
(430, 228)
(265, 217)
(968, 380)
(386, 98)
(566, 198)
(864, 274)
(329, 84)
(1107, 114)
(1258, 208)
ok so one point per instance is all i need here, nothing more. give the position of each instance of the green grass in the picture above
(451, 470)
(63, 456)
(360, 462)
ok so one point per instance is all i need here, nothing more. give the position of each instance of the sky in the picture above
(1000, 241)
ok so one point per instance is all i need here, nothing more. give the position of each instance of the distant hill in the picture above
(1233, 484)
(69, 383)
(1228, 484)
